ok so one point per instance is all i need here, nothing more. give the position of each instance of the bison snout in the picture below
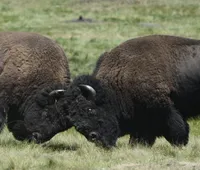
(93, 136)
(36, 137)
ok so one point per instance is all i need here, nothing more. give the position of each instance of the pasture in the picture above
(108, 23)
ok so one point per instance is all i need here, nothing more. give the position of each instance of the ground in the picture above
(107, 24)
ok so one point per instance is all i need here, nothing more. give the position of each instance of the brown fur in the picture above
(29, 62)
(144, 87)
(130, 67)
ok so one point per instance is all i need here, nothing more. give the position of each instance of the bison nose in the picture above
(93, 136)
(36, 137)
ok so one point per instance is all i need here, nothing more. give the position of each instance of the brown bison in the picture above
(31, 68)
(146, 87)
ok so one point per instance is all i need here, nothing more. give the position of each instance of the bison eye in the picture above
(91, 111)
(44, 114)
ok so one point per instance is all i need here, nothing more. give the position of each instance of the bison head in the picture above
(92, 114)
(42, 117)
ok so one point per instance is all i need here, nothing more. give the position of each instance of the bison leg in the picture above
(2, 118)
(142, 139)
(3, 110)
(176, 130)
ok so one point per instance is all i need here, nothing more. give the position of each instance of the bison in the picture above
(146, 87)
(32, 70)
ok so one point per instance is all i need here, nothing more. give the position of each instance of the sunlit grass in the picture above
(70, 150)
(114, 22)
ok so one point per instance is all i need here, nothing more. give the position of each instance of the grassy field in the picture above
(113, 21)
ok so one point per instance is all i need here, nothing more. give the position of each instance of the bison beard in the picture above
(144, 87)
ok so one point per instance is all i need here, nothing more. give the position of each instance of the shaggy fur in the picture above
(144, 87)
(31, 66)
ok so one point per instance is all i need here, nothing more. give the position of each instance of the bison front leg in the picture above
(2, 117)
(144, 139)
(176, 130)
(3, 110)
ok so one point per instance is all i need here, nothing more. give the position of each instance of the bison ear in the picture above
(55, 95)
(87, 91)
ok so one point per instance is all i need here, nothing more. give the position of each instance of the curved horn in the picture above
(88, 91)
(57, 92)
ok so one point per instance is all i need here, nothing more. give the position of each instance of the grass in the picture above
(114, 22)
(69, 150)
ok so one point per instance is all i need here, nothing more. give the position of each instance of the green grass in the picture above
(114, 22)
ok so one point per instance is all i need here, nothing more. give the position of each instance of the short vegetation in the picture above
(104, 24)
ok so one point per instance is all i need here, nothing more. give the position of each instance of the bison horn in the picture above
(88, 91)
(56, 93)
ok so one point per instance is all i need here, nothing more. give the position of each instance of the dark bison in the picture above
(32, 69)
(146, 87)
